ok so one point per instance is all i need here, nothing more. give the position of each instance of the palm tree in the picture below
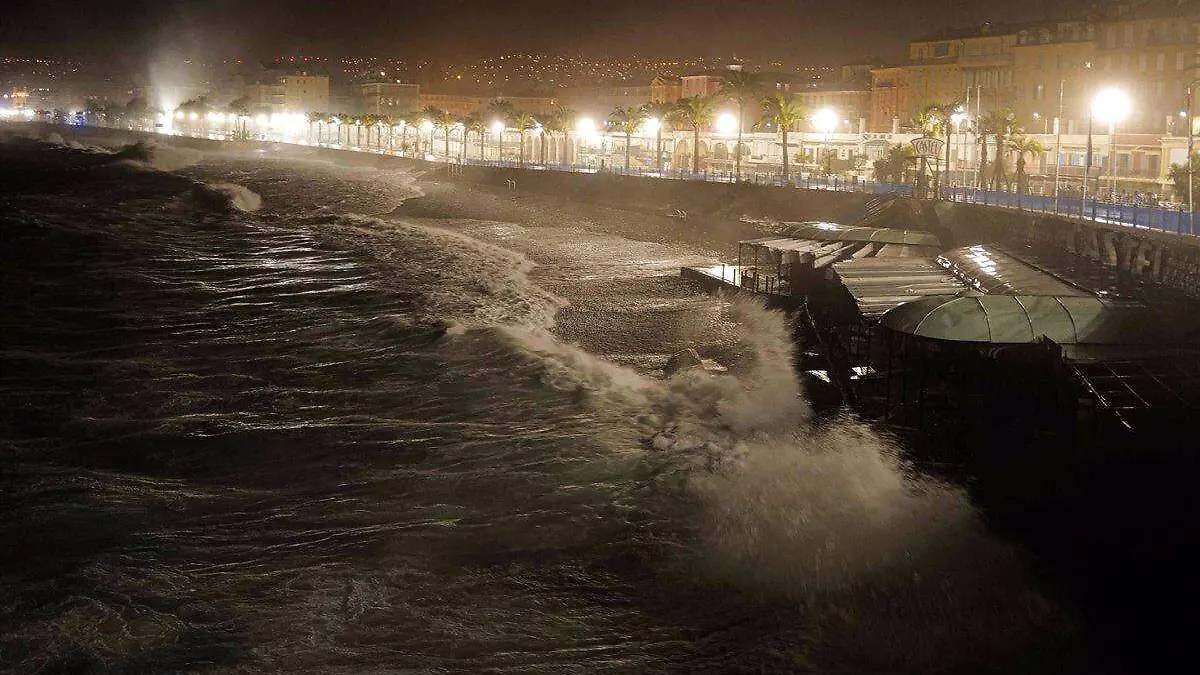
(934, 120)
(1000, 124)
(524, 122)
(741, 87)
(665, 114)
(473, 123)
(895, 163)
(1022, 146)
(1184, 176)
(500, 110)
(557, 122)
(628, 120)
(444, 121)
(784, 112)
(314, 118)
(696, 111)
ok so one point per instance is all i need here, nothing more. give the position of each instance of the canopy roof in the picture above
(879, 284)
(1010, 319)
(995, 272)
(823, 231)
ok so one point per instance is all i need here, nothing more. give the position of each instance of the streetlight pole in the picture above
(1191, 149)
(1087, 166)
(1058, 141)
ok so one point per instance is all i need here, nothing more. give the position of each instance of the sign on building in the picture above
(927, 146)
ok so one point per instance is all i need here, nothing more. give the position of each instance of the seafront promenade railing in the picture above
(1166, 219)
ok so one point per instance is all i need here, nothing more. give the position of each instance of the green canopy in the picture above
(1010, 319)
(823, 231)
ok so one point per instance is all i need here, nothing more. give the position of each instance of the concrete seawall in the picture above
(1159, 258)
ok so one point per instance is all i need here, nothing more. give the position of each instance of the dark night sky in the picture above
(826, 31)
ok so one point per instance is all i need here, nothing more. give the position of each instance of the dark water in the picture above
(253, 424)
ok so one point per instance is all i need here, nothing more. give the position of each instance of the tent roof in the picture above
(1010, 319)
(995, 272)
(834, 232)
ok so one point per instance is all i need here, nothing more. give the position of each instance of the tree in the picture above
(740, 86)
(696, 111)
(524, 123)
(473, 123)
(934, 120)
(1181, 174)
(1022, 146)
(1000, 124)
(444, 121)
(628, 120)
(557, 122)
(314, 118)
(892, 167)
(665, 114)
(784, 112)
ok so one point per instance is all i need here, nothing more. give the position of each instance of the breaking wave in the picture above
(237, 197)
(460, 282)
(825, 516)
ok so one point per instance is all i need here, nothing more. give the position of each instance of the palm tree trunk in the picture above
(626, 152)
(696, 149)
(983, 162)
(998, 175)
(447, 144)
(786, 174)
(737, 158)
(658, 148)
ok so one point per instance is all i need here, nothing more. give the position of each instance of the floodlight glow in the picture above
(178, 114)
(585, 126)
(651, 125)
(261, 120)
(825, 120)
(193, 117)
(1111, 105)
(497, 126)
(727, 123)
(426, 126)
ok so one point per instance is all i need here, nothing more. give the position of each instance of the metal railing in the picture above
(1166, 219)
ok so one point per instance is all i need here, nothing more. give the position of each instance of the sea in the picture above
(256, 420)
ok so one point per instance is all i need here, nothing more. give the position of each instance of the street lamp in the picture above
(498, 129)
(957, 119)
(1191, 151)
(1112, 106)
(825, 121)
(726, 124)
(652, 126)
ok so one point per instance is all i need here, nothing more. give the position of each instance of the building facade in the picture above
(389, 98)
(305, 93)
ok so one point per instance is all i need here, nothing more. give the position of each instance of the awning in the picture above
(823, 231)
(1012, 319)
(995, 272)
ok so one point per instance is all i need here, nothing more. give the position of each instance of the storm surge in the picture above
(257, 430)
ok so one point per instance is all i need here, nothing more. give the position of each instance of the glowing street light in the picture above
(1112, 105)
(498, 127)
(825, 121)
(726, 124)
